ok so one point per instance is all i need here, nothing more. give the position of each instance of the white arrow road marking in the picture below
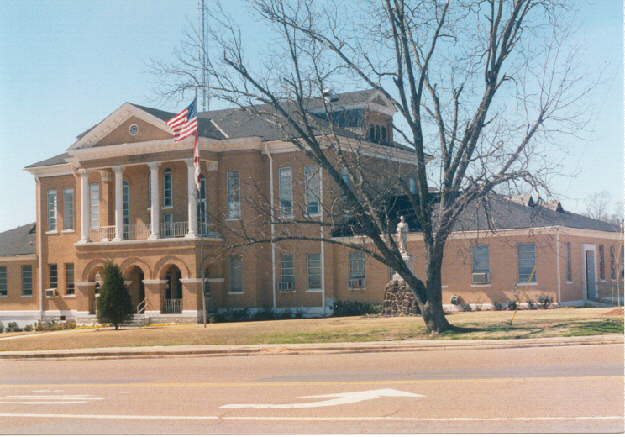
(337, 399)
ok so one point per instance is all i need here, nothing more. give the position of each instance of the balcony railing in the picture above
(141, 231)
(174, 229)
(103, 233)
(172, 306)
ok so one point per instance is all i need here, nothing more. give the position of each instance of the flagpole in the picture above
(201, 241)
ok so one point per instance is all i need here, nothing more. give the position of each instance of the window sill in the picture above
(30, 296)
(69, 296)
(68, 231)
(235, 292)
(525, 284)
(4, 295)
(570, 282)
(480, 285)
(310, 214)
(53, 232)
(167, 207)
(286, 216)
(314, 290)
(287, 291)
(233, 219)
(356, 289)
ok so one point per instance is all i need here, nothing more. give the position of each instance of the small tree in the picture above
(114, 305)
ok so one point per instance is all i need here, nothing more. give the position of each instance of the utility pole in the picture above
(203, 57)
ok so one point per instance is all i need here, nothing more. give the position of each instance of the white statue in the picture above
(402, 235)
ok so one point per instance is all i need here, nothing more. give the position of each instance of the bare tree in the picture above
(480, 88)
(599, 206)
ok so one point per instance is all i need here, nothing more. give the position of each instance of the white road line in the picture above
(43, 402)
(56, 397)
(311, 419)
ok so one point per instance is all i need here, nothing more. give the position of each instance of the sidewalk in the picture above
(308, 349)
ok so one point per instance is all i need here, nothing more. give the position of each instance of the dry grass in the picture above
(472, 325)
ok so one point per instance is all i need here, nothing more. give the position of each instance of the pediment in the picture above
(380, 101)
(142, 130)
(115, 128)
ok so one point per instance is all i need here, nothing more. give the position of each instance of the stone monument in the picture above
(402, 244)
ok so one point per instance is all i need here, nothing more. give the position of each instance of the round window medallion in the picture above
(133, 129)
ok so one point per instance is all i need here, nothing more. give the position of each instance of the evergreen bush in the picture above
(114, 304)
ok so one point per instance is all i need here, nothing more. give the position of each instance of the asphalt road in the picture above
(549, 389)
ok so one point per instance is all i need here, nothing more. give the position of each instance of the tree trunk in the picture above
(433, 313)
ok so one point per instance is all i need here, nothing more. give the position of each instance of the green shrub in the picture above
(114, 304)
(28, 328)
(1, 327)
(266, 314)
(512, 305)
(545, 300)
(13, 327)
(354, 308)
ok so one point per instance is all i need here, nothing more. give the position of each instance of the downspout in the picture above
(558, 261)
(273, 227)
(322, 234)
(39, 248)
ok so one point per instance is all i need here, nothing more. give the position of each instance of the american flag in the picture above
(185, 124)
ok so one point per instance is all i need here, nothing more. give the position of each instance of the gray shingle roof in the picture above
(503, 213)
(55, 160)
(18, 241)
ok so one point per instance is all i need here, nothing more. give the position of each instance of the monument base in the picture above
(410, 262)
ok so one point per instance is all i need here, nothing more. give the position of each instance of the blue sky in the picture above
(67, 64)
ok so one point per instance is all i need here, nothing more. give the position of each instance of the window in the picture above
(126, 209)
(53, 279)
(481, 265)
(601, 263)
(52, 210)
(347, 179)
(168, 199)
(168, 225)
(287, 273)
(202, 214)
(314, 271)
(68, 208)
(412, 183)
(69, 279)
(94, 205)
(286, 192)
(378, 134)
(4, 284)
(569, 263)
(526, 257)
(356, 270)
(312, 189)
(236, 274)
(234, 193)
(27, 280)
(612, 263)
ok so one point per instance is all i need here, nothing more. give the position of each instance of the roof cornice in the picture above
(113, 121)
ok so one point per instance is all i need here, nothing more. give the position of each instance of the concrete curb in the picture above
(308, 349)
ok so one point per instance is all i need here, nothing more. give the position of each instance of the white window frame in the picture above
(285, 189)
(314, 271)
(530, 279)
(312, 190)
(233, 194)
(94, 205)
(357, 276)
(52, 203)
(168, 192)
(233, 261)
(70, 282)
(27, 292)
(69, 216)
(287, 272)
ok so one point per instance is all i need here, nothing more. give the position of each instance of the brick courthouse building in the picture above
(124, 192)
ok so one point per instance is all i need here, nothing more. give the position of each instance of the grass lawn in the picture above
(472, 325)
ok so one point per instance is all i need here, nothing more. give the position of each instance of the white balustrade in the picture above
(103, 233)
(174, 229)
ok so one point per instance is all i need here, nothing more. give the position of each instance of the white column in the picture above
(84, 205)
(119, 205)
(155, 206)
(191, 200)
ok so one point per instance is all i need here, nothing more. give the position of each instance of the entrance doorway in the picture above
(136, 288)
(173, 291)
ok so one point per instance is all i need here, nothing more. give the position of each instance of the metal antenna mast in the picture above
(203, 59)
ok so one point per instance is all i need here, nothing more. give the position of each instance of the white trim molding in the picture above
(85, 284)
(18, 258)
(154, 281)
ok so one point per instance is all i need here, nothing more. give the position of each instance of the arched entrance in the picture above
(172, 301)
(136, 288)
